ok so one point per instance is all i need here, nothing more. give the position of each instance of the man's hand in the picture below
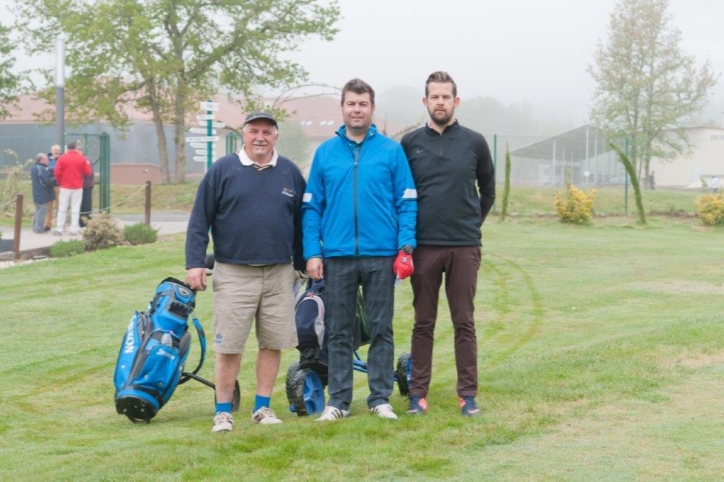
(315, 268)
(196, 278)
(403, 266)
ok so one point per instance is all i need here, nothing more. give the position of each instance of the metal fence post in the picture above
(18, 224)
(105, 177)
(495, 163)
(625, 185)
(147, 216)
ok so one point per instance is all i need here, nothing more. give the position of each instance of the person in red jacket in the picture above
(69, 172)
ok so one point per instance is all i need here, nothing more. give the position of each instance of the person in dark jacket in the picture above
(251, 201)
(359, 230)
(43, 196)
(53, 156)
(447, 162)
(86, 203)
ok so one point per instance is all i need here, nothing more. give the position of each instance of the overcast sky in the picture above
(513, 50)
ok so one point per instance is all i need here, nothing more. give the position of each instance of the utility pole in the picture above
(60, 91)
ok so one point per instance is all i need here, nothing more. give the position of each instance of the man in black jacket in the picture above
(447, 161)
(42, 181)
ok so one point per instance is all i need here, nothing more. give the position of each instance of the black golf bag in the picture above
(312, 333)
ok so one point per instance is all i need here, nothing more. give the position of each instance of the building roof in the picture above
(572, 144)
(319, 116)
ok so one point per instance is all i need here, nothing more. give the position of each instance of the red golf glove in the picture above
(403, 266)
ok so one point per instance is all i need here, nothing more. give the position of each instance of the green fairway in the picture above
(601, 354)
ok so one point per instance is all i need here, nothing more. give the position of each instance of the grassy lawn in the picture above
(601, 358)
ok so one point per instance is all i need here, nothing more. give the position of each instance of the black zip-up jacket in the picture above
(446, 168)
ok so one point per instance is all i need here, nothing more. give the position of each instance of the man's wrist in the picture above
(407, 249)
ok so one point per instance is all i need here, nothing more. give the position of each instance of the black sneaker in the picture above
(468, 407)
(418, 406)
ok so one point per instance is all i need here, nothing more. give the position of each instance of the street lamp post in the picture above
(60, 90)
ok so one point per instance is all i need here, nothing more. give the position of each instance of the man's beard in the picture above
(441, 121)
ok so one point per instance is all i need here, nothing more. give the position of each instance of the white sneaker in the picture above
(265, 416)
(384, 411)
(223, 422)
(332, 413)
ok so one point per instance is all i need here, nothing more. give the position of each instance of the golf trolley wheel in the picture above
(403, 373)
(235, 398)
(305, 391)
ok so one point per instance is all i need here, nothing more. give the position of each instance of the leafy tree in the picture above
(163, 56)
(490, 116)
(631, 170)
(506, 188)
(647, 88)
(294, 144)
(10, 83)
(401, 106)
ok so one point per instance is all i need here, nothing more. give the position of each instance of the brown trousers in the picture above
(460, 265)
(52, 208)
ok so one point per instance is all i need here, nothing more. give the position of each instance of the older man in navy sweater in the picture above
(251, 201)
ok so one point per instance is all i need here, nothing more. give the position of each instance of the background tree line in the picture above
(162, 56)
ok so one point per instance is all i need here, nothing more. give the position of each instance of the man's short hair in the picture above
(441, 77)
(40, 156)
(72, 145)
(358, 86)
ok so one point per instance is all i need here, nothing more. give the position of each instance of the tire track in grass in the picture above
(503, 304)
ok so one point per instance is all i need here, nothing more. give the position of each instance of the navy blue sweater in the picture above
(254, 215)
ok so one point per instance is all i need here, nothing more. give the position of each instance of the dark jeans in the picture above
(342, 278)
(86, 206)
(460, 265)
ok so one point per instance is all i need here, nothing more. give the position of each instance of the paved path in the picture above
(164, 222)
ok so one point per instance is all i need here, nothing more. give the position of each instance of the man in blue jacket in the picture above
(42, 181)
(359, 215)
(251, 201)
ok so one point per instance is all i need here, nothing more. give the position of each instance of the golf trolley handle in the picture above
(185, 376)
(199, 379)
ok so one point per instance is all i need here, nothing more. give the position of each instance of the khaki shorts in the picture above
(245, 294)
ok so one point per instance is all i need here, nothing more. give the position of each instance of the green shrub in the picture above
(102, 232)
(63, 249)
(576, 207)
(710, 208)
(140, 233)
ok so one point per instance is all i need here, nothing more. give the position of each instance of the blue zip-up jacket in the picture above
(363, 205)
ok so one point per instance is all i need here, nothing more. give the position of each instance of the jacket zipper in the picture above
(356, 225)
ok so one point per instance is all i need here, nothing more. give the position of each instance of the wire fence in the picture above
(582, 155)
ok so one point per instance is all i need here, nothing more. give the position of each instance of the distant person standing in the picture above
(42, 182)
(53, 156)
(652, 181)
(68, 173)
(86, 204)
(714, 184)
(455, 180)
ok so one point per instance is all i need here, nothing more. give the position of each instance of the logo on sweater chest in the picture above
(287, 192)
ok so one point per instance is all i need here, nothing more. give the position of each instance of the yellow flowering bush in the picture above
(576, 207)
(710, 208)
